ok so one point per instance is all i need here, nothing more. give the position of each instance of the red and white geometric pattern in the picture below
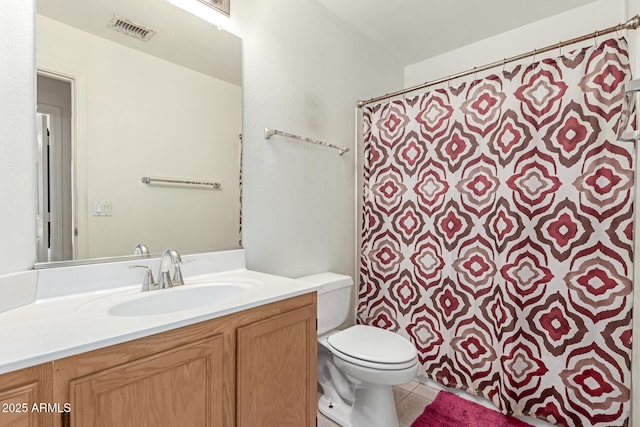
(497, 235)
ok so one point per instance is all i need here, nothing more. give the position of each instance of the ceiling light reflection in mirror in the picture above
(207, 11)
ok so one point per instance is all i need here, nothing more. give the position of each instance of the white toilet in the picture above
(358, 366)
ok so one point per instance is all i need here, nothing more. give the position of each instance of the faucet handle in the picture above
(147, 281)
(177, 272)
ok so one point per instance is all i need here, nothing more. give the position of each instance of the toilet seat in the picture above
(373, 365)
(372, 347)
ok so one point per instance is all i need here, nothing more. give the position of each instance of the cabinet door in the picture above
(276, 376)
(177, 387)
(20, 391)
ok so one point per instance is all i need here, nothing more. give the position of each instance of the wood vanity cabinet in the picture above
(20, 391)
(277, 371)
(181, 386)
(253, 368)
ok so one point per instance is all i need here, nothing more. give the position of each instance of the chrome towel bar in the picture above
(268, 133)
(186, 182)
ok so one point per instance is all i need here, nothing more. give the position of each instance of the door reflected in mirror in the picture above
(114, 108)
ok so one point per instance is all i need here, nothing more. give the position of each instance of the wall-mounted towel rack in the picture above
(268, 133)
(182, 182)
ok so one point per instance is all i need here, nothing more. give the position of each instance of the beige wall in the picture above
(149, 117)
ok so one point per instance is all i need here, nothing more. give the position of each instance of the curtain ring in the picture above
(504, 62)
(595, 38)
(475, 73)
(560, 48)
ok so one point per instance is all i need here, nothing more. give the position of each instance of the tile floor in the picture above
(410, 400)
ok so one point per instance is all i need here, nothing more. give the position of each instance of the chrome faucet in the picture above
(141, 249)
(170, 256)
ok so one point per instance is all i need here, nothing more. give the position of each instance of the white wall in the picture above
(149, 117)
(564, 26)
(17, 148)
(304, 70)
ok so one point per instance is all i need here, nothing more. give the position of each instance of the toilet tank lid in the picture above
(328, 281)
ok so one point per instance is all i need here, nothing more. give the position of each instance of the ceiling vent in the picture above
(130, 28)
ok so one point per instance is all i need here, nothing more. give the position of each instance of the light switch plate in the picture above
(102, 208)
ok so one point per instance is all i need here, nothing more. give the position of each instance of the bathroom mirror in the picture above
(129, 90)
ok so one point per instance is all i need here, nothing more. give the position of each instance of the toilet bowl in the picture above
(357, 366)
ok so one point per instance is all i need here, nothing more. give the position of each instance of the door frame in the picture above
(79, 191)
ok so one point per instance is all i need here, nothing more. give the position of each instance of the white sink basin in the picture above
(187, 297)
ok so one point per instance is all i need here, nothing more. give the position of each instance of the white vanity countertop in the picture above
(54, 328)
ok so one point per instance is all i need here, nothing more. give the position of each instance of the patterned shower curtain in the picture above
(497, 235)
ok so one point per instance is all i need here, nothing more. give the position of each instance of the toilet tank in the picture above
(334, 297)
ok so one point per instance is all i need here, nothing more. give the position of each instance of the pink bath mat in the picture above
(449, 410)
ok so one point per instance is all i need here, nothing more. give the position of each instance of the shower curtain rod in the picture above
(631, 24)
